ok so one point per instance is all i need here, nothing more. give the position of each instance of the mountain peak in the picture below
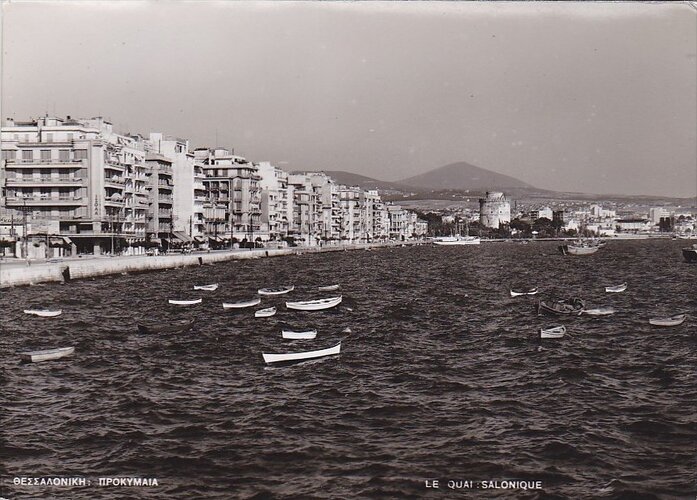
(463, 176)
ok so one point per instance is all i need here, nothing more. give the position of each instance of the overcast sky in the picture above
(579, 97)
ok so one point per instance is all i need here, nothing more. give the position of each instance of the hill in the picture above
(463, 176)
(364, 182)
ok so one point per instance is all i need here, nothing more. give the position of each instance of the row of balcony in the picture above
(44, 181)
(44, 201)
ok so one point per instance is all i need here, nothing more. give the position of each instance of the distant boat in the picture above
(207, 288)
(166, 328)
(314, 305)
(690, 253)
(265, 313)
(276, 291)
(300, 356)
(307, 334)
(616, 288)
(44, 313)
(600, 311)
(457, 240)
(580, 247)
(515, 292)
(676, 320)
(185, 302)
(330, 288)
(46, 355)
(243, 304)
(553, 333)
(574, 306)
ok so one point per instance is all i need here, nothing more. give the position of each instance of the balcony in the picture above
(44, 202)
(43, 163)
(44, 181)
(114, 166)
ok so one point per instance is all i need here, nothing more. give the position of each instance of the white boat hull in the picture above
(46, 355)
(553, 333)
(206, 288)
(471, 240)
(185, 302)
(571, 250)
(329, 288)
(315, 305)
(43, 313)
(300, 356)
(309, 334)
(616, 289)
(602, 311)
(517, 294)
(270, 291)
(241, 305)
(672, 321)
(265, 313)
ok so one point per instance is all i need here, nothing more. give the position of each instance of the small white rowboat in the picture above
(616, 289)
(676, 320)
(207, 288)
(314, 305)
(515, 292)
(241, 305)
(46, 355)
(601, 311)
(309, 334)
(299, 356)
(265, 313)
(185, 302)
(44, 313)
(553, 333)
(276, 291)
(328, 288)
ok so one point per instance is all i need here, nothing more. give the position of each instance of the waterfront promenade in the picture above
(18, 272)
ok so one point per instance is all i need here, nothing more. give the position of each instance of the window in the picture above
(63, 154)
(49, 137)
(45, 154)
(8, 154)
(80, 154)
(27, 154)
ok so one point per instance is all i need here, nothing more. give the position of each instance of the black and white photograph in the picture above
(348, 249)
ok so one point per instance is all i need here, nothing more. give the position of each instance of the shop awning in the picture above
(183, 237)
(199, 239)
(216, 238)
(67, 240)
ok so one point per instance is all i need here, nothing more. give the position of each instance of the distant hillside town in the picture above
(75, 186)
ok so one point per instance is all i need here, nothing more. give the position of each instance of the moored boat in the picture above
(600, 311)
(265, 313)
(43, 313)
(553, 333)
(573, 306)
(207, 288)
(167, 328)
(328, 288)
(616, 288)
(676, 320)
(580, 247)
(307, 334)
(515, 292)
(185, 302)
(46, 355)
(276, 291)
(690, 253)
(314, 305)
(457, 240)
(301, 356)
(243, 304)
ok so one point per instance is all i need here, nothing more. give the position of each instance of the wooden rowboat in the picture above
(616, 288)
(515, 292)
(553, 333)
(276, 291)
(301, 356)
(600, 311)
(315, 305)
(166, 328)
(185, 302)
(242, 305)
(207, 288)
(574, 306)
(46, 355)
(44, 313)
(676, 320)
(308, 334)
(328, 288)
(265, 313)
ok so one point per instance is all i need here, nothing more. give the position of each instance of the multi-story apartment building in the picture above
(232, 181)
(76, 180)
(305, 224)
(275, 206)
(161, 197)
(353, 227)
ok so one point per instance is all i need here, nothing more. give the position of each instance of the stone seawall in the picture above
(19, 273)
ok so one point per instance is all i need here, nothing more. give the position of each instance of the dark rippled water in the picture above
(441, 377)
